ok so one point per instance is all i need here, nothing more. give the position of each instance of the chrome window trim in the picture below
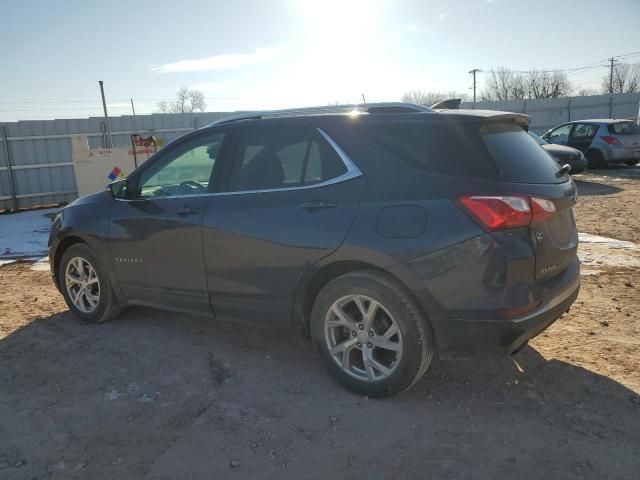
(352, 172)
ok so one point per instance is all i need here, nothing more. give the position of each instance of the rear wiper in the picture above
(566, 168)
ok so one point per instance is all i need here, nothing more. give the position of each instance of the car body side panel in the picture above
(87, 218)
(257, 245)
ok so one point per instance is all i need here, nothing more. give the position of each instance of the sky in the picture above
(252, 54)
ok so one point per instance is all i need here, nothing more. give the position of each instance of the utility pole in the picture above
(106, 115)
(612, 59)
(473, 72)
(133, 108)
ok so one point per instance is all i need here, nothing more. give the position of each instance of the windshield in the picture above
(518, 156)
(538, 139)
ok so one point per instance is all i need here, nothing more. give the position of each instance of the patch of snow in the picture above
(25, 234)
(607, 242)
(42, 265)
(596, 251)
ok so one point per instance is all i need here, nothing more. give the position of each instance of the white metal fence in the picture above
(546, 113)
(35, 156)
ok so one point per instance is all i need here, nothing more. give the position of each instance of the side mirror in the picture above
(119, 189)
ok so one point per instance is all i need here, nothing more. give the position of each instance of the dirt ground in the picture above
(167, 396)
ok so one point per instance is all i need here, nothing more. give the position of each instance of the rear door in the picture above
(291, 195)
(529, 170)
(582, 135)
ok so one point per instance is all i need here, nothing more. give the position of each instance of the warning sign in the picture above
(115, 174)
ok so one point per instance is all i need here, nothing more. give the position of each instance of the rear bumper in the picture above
(460, 338)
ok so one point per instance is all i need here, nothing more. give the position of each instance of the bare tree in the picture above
(626, 79)
(186, 101)
(505, 84)
(421, 97)
(586, 92)
(547, 84)
(163, 106)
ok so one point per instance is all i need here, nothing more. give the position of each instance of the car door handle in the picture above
(317, 205)
(184, 211)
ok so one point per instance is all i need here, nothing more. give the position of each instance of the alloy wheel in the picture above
(363, 338)
(83, 285)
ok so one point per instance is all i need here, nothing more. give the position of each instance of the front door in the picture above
(560, 135)
(290, 199)
(156, 232)
(582, 135)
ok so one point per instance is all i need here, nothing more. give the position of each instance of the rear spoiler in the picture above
(490, 116)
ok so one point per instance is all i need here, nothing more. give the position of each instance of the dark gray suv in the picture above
(387, 233)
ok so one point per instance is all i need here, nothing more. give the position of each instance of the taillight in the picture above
(510, 211)
(610, 140)
(542, 209)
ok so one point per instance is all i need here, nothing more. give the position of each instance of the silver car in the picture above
(602, 141)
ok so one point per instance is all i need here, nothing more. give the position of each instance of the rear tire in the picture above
(370, 334)
(85, 285)
(594, 159)
(631, 163)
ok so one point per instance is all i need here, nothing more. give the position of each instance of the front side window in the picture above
(560, 133)
(185, 171)
(281, 157)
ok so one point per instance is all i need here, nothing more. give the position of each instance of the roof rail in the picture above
(382, 107)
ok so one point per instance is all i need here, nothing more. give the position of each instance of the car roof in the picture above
(392, 111)
(602, 120)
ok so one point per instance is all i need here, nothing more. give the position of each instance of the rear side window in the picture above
(281, 157)
(623, 128)
(584, 131)
(518, 156)
(445, 148)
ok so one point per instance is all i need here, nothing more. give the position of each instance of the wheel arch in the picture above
(62, 247)
(309, 289)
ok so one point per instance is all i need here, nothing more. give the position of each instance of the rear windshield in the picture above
(518, 156)
(502, 151)
(623, 128)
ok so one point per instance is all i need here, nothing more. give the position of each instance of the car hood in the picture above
(91, 199)
(560, 151)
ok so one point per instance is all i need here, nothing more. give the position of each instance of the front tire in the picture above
(85, 285)
(370, 334)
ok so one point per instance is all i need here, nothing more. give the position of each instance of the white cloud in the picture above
(209, 86)
(412, 28)
(226, 61)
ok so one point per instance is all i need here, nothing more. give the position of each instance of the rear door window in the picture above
(281, 157)
(584, 131)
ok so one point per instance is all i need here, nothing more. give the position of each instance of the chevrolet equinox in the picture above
(387, 233)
